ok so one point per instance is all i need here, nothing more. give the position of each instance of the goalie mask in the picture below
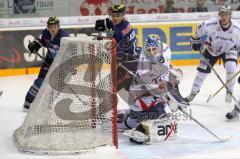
(152, 47)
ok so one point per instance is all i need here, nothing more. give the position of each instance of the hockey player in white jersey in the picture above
(223, 41)
(148, 93)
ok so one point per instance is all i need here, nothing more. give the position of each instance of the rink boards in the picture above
(15, 58)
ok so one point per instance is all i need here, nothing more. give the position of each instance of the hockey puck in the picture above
(239, 80)
(225, 139)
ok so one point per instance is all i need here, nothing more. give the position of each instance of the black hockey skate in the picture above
(26, 106)
(234, 114)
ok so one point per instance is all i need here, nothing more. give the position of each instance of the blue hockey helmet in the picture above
(152, 46)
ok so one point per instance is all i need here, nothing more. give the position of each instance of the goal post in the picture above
(75, 109)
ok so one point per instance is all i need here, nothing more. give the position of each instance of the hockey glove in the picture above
(34, 46)
(100, 25)
(195, 43)
(175, 75)
(104, 24)
(109, 24)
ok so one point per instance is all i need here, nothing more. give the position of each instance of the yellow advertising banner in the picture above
(176, 35)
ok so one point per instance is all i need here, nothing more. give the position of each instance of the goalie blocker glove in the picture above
(195, 43)
(34, 46)
(104, 24)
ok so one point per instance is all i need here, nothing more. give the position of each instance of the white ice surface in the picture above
(192, 142)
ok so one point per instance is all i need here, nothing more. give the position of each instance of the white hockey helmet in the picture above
(225, 9)
(152, 46)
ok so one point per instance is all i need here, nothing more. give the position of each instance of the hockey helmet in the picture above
(225, 9)
(118, 8)
(152, 46)
(53, 21)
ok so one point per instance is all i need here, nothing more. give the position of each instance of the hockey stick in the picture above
(180, 108)
(215, 72)
(204, 127)
(35, 52)
(225, 84)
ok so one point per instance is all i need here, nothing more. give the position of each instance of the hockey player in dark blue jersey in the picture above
(127, 50)
(50, 39)
(121, 30)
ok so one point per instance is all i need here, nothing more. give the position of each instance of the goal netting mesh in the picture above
(75, 108)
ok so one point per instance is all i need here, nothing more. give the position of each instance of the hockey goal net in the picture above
(75, 109)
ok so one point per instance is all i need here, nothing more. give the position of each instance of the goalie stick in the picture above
(215, 72)
(180, 108)
(225, 84)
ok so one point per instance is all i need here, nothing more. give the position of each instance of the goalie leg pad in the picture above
(150, 131)
(161, 129)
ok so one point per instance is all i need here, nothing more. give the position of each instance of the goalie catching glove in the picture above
(104, 24)
(175, 75)
(34, 46)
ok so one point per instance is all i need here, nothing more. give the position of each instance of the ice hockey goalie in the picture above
(154, 85)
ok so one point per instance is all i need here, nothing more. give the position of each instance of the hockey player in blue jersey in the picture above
(122, 30)
(127, 49)
(50, 39)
